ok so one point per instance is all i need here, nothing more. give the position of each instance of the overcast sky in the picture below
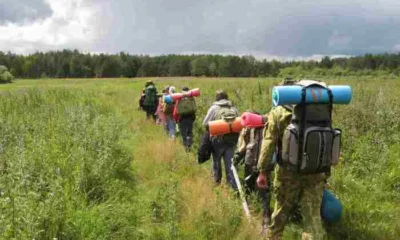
(279, 28)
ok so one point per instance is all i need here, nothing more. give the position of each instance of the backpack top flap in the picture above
(313, 114)
(226, 113)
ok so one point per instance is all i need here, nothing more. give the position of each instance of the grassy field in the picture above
(79, 161)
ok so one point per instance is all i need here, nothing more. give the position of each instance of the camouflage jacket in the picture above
(278, 119)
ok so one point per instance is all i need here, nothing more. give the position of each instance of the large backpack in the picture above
(150, 100)
(186, 106)
(310, 145)
(228, 114)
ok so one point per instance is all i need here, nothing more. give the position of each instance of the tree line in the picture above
(75, 64)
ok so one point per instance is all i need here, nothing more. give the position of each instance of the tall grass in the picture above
(67, 170)
(64, 172)
(367, 180)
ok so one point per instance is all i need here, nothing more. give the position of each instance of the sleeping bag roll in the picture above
(221, 127)
(178, 96)
(291, 95)
(168, 99)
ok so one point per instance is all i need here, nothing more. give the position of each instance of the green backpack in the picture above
(186, 106)
(310, 144)
(150, 99)
(228, 114)
(168, 108)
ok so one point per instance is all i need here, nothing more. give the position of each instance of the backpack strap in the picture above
(230, 126)
(301, 127)
(330, 105)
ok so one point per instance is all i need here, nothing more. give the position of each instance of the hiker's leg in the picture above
(189, 133)
(216, 166)
(183, 126)
(228, 155)
(265, 197)
(310, 201)
(249, 184)
(286, 187)
(171, 127)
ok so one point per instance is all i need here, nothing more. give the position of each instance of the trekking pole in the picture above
(241, 193)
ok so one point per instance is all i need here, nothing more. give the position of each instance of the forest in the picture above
(75, 64)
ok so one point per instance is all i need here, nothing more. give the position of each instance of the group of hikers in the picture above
(263, 151)
(177, 116)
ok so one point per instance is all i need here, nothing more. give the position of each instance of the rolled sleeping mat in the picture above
(220, 127)
(252, 120)
(291, 95)
(331, 208)
(168, 99)
(178, 96)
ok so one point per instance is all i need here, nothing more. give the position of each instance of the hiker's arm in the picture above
(209, 116)
(265, 160)
(241, 146)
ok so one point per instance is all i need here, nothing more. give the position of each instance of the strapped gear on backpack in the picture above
(310, 145)
(186, 106)
(228, 114)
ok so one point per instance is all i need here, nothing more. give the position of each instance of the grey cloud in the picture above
(274, 27)
(20, 11)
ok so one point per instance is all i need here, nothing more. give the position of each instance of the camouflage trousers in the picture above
(288, 186)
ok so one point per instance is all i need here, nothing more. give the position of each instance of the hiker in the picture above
(222, 146)
(151, 100)
(161, 117)
(292, 183)
(185, 115)
(168, 109)
(247, 152)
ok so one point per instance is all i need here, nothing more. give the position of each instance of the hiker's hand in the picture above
(262, 180)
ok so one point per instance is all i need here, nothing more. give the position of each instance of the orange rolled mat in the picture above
(220, 127)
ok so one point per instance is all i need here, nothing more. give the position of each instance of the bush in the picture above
(5, 75)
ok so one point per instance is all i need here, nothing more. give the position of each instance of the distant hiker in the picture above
(168, 109)
(151, 100)
(141, 100)
(311, 123)
(222, 146)
(247, 152)
(185, 115)
(161, 117)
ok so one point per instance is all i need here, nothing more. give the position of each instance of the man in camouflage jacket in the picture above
(288, 184)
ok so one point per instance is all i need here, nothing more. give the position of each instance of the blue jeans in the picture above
(221, 150)
(170, 126)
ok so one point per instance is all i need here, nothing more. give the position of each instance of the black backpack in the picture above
(310, 145)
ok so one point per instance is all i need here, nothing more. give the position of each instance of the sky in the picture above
(263, 28)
